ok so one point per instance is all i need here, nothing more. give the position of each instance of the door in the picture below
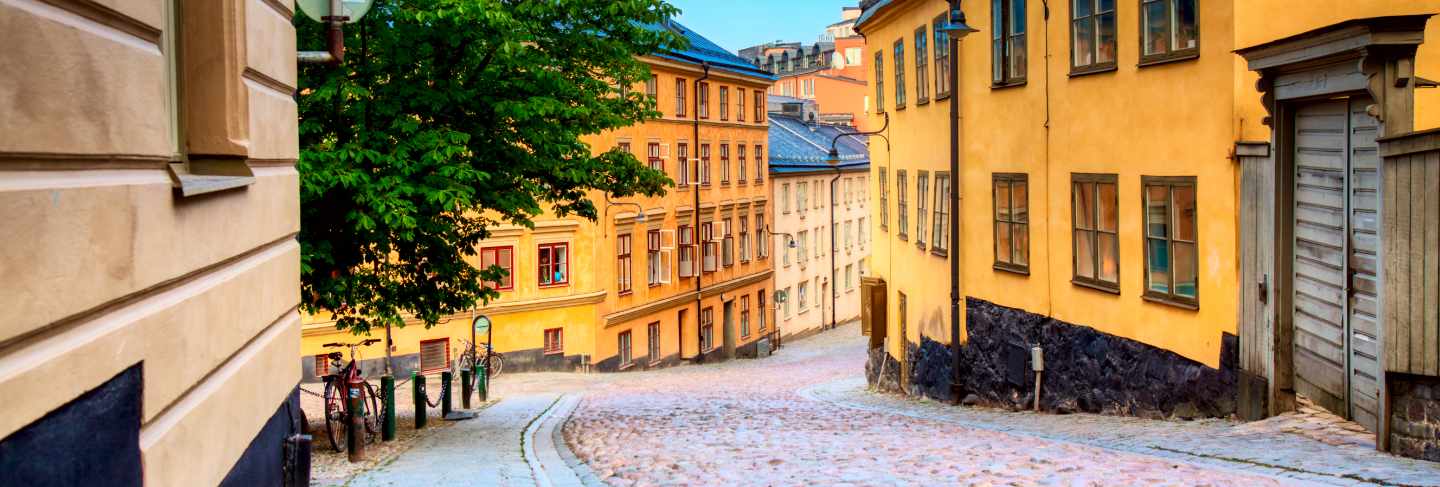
(1334, 257)
(729, 330)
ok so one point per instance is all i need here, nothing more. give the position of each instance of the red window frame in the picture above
(548, 270)
(653, 153)
(625, 348)
(702, 93)
(707, 329)
(508, 283)
(724, 103)
(682, 153)
(624, 264)
(680, 89)
(686, 237)
(725, 164)
(322, 365)
(740, 155)
(444, 365)
(740, 99)
(554, 341)
(759, 164)
(704, 164)
(652, 258)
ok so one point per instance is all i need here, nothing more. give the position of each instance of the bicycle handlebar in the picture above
(332, 345)
(371, 341)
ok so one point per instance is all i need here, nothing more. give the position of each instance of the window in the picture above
(434, 355)
(744, 316)
(922, 193)
(724, 103)
(879, 82)
(759, 164)
(728, 242)
(760, 307)
(652, 152)
(740, 154)
(849, 277)
(884, 202)
(762, 238)
(686, 235)
(861, 229)
(682, 151)
(655, 272)
(652, 87)
(1171, 259)
(803, 295)
(740, 104)
(554, 264)
(785, 198)
(322, 365)
(704, 164)
(504, 257)
(702, 94)
(623, 146)
(900, 74)
(707, 241)
(1012, 222)
(801, 243)
(1092, 31)
(653, 336)
(724, 163)
(902, 222)
(1168, 30)
(801, 198)
(922, 75)
(790, 299)
(759, 109)
(707, 329)
(744, 239)
(849, 225)
(622, 263)
(1096, 244)
(680, 89)
(940, 237)
(624, 347)
(942, 57)
(554, 341)
(1007, 42)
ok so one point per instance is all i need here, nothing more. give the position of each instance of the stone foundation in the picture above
(882, 372)
(1415, 416)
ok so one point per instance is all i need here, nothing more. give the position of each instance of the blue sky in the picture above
(737, 24)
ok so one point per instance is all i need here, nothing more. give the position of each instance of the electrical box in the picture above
(1037, 359)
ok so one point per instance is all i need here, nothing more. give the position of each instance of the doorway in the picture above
(729, 330)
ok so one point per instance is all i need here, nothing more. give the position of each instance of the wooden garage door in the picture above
(1335, 260)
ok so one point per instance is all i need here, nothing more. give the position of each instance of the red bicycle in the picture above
(337, 408)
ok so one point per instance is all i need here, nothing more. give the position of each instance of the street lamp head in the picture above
(791, 243)
(955, 25)
(639, 218)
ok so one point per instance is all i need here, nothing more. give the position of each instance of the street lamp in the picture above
(956, 28)
(335, 14)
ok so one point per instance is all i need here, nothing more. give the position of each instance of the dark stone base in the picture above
(263, 462)
(931, 373)
(612, 364)
(1415, 416)
(882, 372)
(1085, 369)
(92, 440)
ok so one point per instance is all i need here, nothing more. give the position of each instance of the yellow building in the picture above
(1102, 145)
(653, 282)
(148, 208)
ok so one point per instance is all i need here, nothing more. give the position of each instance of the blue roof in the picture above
(796, 146)
(703, 50)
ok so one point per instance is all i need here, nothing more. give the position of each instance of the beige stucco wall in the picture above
(105, 266)
(850, 255)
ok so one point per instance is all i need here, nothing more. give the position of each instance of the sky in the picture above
(737, 24)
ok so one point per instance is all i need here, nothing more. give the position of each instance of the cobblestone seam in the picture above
(1272, 452)
(587, 476)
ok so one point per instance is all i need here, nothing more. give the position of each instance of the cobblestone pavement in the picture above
(803, 417)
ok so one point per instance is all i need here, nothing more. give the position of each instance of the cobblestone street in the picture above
(804, 417)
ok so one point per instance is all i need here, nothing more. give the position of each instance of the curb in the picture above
(550, 459)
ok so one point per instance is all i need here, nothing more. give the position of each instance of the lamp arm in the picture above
(835, 154)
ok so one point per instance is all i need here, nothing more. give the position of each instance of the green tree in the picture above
(450, 117)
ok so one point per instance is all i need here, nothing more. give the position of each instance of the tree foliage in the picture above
(450, 117)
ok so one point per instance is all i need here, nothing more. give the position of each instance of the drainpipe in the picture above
(695, 227)
(956, 185)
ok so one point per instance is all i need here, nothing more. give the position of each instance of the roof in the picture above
(797, 147)
(871, 7)
(702, 50)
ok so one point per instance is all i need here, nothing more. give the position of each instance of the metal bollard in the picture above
(482, 382)
(355, 429)
(464, 388)
(418, 383)
(445, 405)
(387, 428)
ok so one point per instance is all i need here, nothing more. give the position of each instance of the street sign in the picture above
(482, 324)
(317, 10)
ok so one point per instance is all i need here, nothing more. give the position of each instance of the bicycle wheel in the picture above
(374, 412)
(334, 415)
(495, 363)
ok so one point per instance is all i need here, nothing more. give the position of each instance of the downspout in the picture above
(695, 219)
(956, 185)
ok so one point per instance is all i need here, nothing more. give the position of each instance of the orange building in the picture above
(831, 72)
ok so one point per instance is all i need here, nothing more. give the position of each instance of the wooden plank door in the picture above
(1258, 327)
(1364, 264)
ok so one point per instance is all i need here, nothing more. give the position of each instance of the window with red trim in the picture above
(554, 264)
(653, 152)
(503, 257)
(554, 341)
(434, 355)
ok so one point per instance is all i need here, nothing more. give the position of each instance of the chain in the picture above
(308, 391)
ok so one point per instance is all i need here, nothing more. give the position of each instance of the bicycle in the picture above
(494, 361)
(337, 405)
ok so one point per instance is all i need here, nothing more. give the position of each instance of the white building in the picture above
(821, 247)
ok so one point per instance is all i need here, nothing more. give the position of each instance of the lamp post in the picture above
(834, 161)
(955, 29)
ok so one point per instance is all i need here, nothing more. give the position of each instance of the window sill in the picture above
(1008, 84)
(654, 363)
(1012, 268)
(939, 252)
(204, 176)
(922, 101)
(1088, 70)
(625, 293)
(1168, 58)
(624, 367)
(899, 108)
(1171, 302)
(920, 245)
(942, 96)
(554, 352)
(655, 284)
(551, 286)
(1097, 287)
(902, 236)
